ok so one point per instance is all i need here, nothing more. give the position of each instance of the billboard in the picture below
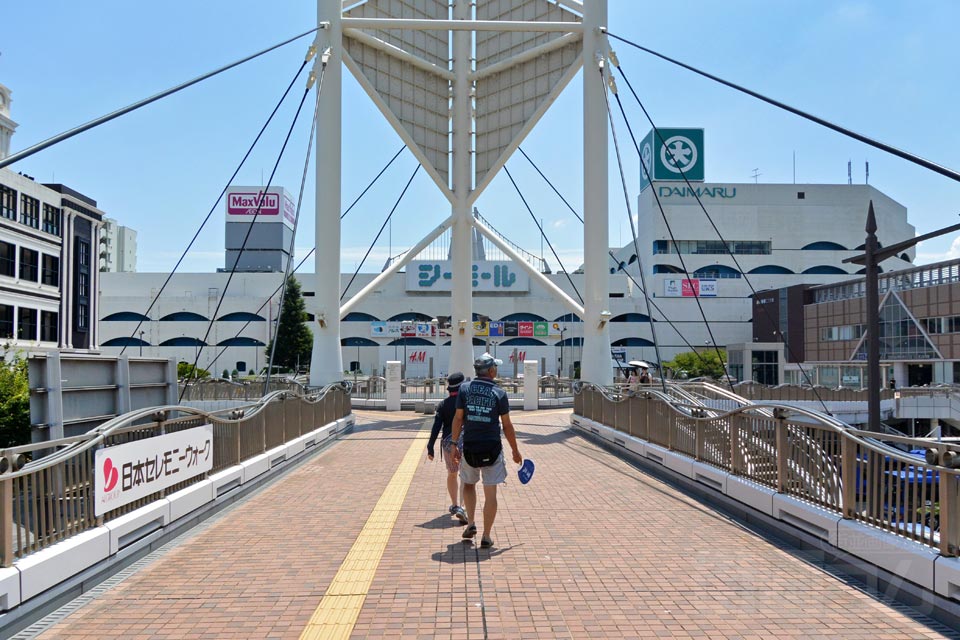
(672, 154)
(274, 205)
(494, 329)
(487, 275)
(690, 288)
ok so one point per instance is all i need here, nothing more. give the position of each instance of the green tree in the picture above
(702, 363)
(185, 370)
(294, 339)
(14, 401)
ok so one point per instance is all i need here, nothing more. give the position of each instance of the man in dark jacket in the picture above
(449, 450)
(481, 408)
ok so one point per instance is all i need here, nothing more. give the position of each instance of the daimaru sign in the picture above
(671, 154)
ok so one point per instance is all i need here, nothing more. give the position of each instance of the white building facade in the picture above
(118, 247)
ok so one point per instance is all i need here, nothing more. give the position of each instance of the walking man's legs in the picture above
(489, 509)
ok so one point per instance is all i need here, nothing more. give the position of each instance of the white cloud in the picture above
(952, 253)
(559, 224)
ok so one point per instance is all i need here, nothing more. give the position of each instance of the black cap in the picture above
(454, 380)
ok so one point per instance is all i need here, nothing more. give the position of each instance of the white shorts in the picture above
(493, 474)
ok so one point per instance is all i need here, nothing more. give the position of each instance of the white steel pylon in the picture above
(462, 122)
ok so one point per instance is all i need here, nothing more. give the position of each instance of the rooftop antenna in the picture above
(867, 181)
(756, 174)
(849, 172)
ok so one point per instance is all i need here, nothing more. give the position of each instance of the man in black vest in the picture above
(481, 406)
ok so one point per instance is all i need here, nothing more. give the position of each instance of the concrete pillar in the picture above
(531, 391)
(326, 364)
(393, 385)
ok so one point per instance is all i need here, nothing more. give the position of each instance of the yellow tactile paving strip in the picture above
(337, 613)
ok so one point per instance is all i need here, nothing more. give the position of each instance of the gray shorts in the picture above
(493, 474)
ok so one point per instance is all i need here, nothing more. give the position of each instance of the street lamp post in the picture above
(871, 258)
(560, 372)
(141, 344)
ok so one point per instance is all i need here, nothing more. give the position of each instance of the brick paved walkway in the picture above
(591, 548)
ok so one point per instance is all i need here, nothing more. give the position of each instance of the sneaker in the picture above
(453, 509)
(486, 543)
(461, 515)
(470, 531)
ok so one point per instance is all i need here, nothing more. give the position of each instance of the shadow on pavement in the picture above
(464, 552)
(445, 521)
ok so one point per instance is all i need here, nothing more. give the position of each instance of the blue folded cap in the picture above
(525, 472)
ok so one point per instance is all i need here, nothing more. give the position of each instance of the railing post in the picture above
(949, 516)
(848, 477)
(781, 446)
(736, 461)
(6, 522)
(699, 446)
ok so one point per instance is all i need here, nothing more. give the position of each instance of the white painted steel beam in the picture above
(595, 362)
(535, 275)
(375, 284)
(529, 54)
(571, 4)
(326, 361)
(459, 25)
(398, 53)
(461, 292)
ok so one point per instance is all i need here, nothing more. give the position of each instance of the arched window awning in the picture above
(770, 269)
(630, 317)
(825, 269)
(411, 342)
(717, 271)
(568, 317)
(477, 342)
(242, 316)
(523, 317)
(359, 316)
(666, 268)
(357, 342)
(183, 316)
(183, 341)
(125, 341)
(126, 316)
(410, 316)
(632, 342)
(571, 342)
(240, 341)
(523, 342)
(824, 245)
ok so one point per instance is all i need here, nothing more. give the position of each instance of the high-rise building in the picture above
(259, 226)
(118, 247)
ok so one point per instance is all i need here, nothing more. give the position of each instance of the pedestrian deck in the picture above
(357, 541)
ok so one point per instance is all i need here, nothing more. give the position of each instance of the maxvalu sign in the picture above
(487, 275)
(671, 154)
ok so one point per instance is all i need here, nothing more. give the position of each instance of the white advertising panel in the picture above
(488, 276)
(135, 470)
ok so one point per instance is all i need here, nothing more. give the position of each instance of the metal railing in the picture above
(435, 389)
(219, 389)
(819, 460)
(52, 498)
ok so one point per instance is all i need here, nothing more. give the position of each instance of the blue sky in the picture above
(885, 69)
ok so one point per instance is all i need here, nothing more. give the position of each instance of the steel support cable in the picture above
(625, 272)
(633, 229)
(703, 208)
(246, 238)
(379, 233)
(40, 146)
(906, 155)
(559, 195)
(542, 234)
(217, 201)
(324, 58)
(364, 192)
(663, 214)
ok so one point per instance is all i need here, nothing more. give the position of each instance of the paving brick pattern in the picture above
(591, 548)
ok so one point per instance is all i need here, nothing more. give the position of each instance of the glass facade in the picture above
(900, 336)
(714, 247)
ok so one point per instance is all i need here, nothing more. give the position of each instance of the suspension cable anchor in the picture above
(311, 51)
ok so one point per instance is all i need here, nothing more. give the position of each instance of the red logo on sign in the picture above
(418, 356)
(110, 475)
(520, 356)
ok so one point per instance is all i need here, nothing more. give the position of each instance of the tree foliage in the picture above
(696, 364)
(185, 370)
(14, 401)
(294, 339)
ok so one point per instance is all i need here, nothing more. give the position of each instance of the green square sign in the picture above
(672, 155)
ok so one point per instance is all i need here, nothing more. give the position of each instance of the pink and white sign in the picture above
(271, 205)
